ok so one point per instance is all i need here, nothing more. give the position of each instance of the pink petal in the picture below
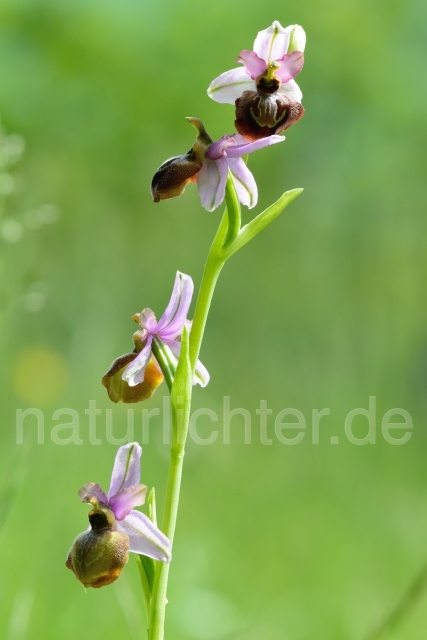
(144, 537)
(127, 468)
(211, 181)
(172, 321)
(134, 372)
(244, 182)
(92, 490)
(243, 147)
(290, 66)
(253, 64)
(219, 148)
(125, 500)
(230, 85)
(272, 43)
(147, 319)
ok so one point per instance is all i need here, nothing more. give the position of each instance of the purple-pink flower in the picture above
(164, 332)
(98, 555)
(135, 376)
(124, 494)
(209, 164)
(226, 155)
(266, 95)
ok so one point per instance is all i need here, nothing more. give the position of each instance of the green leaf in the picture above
(255, 226)
(151, 505)
(146, 567)
(233, 211)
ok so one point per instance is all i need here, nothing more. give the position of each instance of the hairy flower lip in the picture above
(259, 117)
(119, 391)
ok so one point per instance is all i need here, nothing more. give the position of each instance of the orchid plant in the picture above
(267, 101)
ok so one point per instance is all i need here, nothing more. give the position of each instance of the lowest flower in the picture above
(98, 555)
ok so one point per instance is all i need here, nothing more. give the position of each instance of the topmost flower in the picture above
(267, 98)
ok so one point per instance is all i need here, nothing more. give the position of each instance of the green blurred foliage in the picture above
(325, 309)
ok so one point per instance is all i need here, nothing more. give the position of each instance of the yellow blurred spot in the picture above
(40, 375)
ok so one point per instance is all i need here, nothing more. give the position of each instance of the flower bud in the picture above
(297, 39)
(98, 556)
(120, 391)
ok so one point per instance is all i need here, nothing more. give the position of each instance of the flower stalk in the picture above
(228, 239)
(181, 403)
(181, 399)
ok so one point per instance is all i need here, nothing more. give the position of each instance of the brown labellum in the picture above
(172, 176)
(98, 556)
(259, 114)
(120, 391)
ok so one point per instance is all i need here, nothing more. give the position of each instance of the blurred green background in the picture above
(326, 308)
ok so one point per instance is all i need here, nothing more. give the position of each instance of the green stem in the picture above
(213, 267)
(158, 601)
(230, 225)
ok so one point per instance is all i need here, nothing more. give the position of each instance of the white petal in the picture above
(244, 182)
(291, 90)
(297, 39)
(211, 181)
(272, 43)
(230, 85)
(144, 537)
(201, 374)
(134, 372)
